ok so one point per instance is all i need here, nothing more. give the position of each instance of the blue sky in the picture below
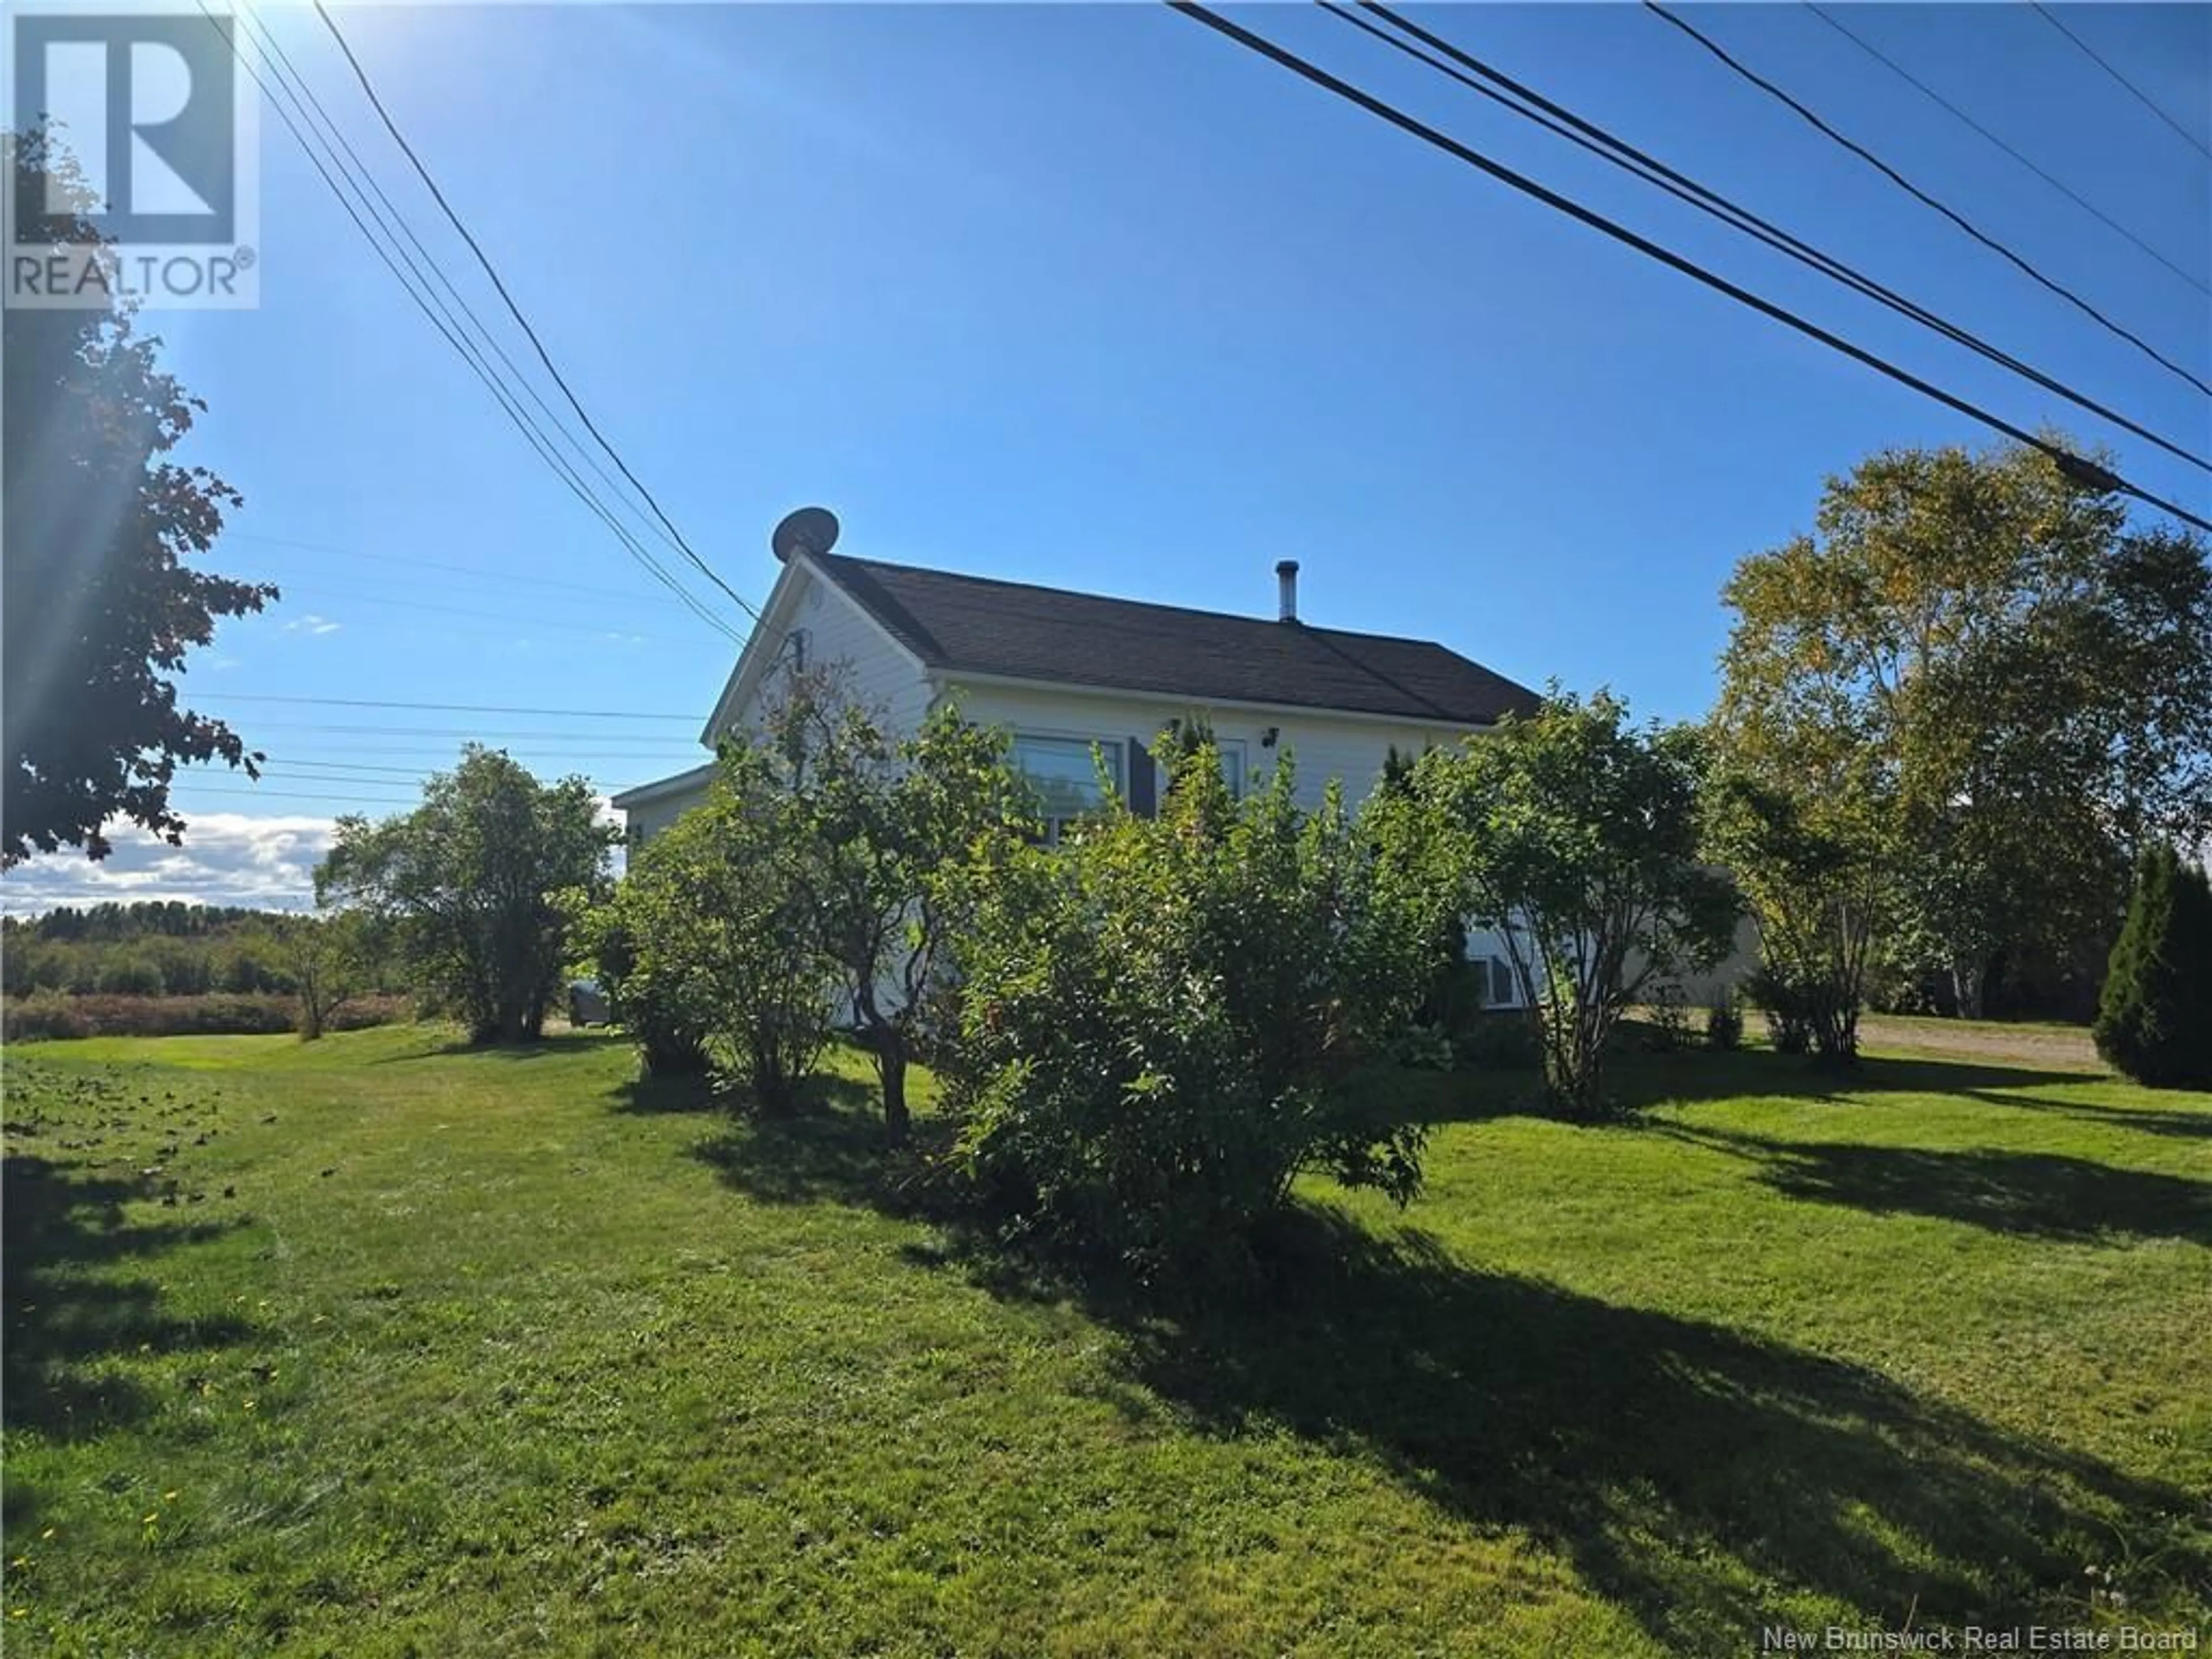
(1087, 295)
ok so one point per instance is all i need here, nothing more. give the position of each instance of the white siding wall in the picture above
(649, 819)
(884, 676)
(1322, 745)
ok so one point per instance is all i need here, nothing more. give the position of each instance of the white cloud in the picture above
(311, 623)
(228, 857)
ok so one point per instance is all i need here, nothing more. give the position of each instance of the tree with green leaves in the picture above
(1164, 1020)
(2018, 679)
(329, 959)
(2154, 1019)
(1575, 836)
(882, 821)
(709, 949)
(1818, 884)
(469, 885)
(102, 604)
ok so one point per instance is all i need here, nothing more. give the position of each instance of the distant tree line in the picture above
(162, 949)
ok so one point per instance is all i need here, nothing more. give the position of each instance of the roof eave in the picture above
(952, 675)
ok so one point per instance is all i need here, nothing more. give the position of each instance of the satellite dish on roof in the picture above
(810, 530)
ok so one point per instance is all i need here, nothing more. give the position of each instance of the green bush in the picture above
(1502, 1040)
(2154, 1019)
(50, 1015)
(1724, 1023)
(1166, 1020)
(1668, 1031)
(1787, 1007)
(704, 950)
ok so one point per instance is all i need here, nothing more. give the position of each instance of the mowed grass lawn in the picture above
(370, 1347)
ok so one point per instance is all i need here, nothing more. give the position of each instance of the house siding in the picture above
(1324, 745)
(885, 679)
(1320, 746)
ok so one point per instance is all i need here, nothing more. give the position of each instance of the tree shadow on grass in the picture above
(556, 1043)
(1636, 1081)
(64, 1320)
(652, 1097)
(2154, 1120)
(2038, 1195)
(1706, 1480)
(1695, 1475)
(830, 1148)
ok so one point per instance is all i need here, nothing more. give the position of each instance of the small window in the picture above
(1232, 767)
(1066, 775)
(1501, 981)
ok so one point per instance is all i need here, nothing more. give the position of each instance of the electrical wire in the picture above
(2085, 471)
(1922, 196)
(2141, 96)
(440, 707)
(1942, 102)
(515, 310)
(462, 347)
(1608, 147)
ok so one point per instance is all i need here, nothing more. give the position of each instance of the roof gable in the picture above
(1016, 630)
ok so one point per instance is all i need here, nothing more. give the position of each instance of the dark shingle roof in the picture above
(978, 626)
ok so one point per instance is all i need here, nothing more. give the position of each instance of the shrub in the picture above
(1670, 1018)
(1724, 1023)
(1500, 1040)
(1787, 1007)
(1425, 1048)
(2154, 1019)
(705, 951)
(1166, 1020)
(44, 1015)
(50, 1015)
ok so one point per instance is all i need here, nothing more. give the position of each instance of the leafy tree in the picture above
(1575, 837)
(2020, 683)
(1164, 1020)
(2154, 1020)
(708, 950)
(330, 961)
(879, 824)
(100, 608)
(1818, 883)
(466, 884)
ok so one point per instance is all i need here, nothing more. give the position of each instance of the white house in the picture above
(1064, 671)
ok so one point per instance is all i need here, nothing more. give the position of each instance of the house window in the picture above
(1501, 982)
(1232, 767)
(1065, 773)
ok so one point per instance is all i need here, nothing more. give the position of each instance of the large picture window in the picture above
(1066, 776)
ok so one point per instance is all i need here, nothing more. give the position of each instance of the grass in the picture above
(374, 1347)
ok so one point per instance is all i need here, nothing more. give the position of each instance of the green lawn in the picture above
(369, 1348)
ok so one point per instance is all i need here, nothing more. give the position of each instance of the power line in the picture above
(351, 596)
(448, 327)
(290, 794)
(391, 217)
(2064, 189)
(2087, 472)
(515, 310)
(467, 572)
(463, 734)
(2141, 96)
(1922, 196)
(440, 707)
(1608, 147)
